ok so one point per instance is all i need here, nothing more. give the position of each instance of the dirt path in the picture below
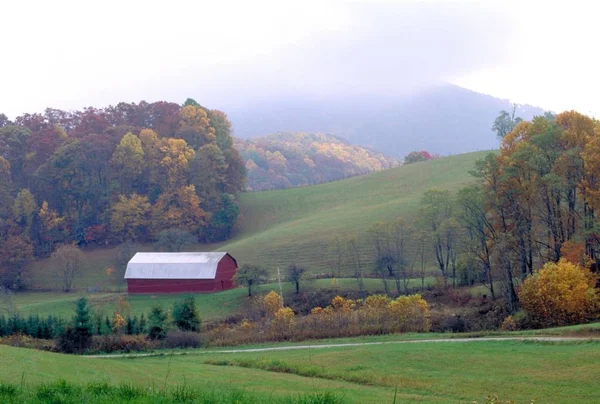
(356, 344)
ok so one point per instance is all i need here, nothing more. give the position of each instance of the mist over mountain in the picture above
(444, 119)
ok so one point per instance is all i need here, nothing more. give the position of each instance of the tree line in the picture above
(285, 160)
(105, 176)
(534, 202)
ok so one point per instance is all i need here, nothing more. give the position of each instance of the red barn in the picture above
(195, 272)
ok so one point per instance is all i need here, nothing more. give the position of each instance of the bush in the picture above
(411, 313)
(73, 340)
(119, 343)
(509, 324)
(182, 339)
(185, 314)
(283, 320)
(454, 324)
(560, 294)
(24, 341)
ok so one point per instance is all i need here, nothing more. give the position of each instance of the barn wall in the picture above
(225, 272)
(170, 285)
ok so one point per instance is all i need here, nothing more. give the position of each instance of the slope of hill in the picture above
(445, 119)
(285, 160)
(301, 224)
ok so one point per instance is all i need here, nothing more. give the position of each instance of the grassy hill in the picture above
(439, 372)
(299, 225)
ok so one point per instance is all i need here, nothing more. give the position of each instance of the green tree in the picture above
(157, 323)
(173, 240)
(78, 337)
(295, 274)
(185, 314)
(250, 275)
(506, 122)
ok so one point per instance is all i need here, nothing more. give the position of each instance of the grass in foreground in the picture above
(62, 391)
(561, 372)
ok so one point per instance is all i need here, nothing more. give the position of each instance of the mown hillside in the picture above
(302, 224)
(285, 160)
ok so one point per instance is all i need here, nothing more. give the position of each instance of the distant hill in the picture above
(445, 119)
(285, 160)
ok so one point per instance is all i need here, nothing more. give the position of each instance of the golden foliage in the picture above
(118, 323)
(130, 215)
(378, 302)
(283, 320)
(559, 294)
(509, 324)
(176, 155)
(411, 313)
(179, 208)
(271, 303)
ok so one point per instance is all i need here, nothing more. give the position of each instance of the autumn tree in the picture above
(130, 217)
(179, 208)
(194, 126)
(6, 188)
(51, 225)
(128, 162)
(68, 262)
(175, 157)
(559, 294)
(416, 156)
(15, 253)
(250, 275)
(24, 208)
(480, 232)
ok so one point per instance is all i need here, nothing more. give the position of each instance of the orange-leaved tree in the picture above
(559, 294)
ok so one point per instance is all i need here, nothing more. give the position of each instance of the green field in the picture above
(211, 305)
(300, 224)
(420, 372)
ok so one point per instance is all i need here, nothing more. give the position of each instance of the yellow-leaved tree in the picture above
(559, 294)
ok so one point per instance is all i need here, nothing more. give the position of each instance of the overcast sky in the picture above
(71, 54)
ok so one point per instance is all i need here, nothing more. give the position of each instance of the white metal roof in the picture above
(186, 265)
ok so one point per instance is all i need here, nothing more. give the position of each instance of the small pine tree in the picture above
(157, 320)
(185, 314)
(141, 325)
(78, 338)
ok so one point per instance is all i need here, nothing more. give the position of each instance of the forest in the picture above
(285, 160)
(534, 206)
(106, 176)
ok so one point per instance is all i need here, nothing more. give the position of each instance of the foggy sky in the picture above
(69, 54)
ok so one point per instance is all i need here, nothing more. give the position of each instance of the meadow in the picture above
(301, 225)
(522, 371)
(210, 305)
